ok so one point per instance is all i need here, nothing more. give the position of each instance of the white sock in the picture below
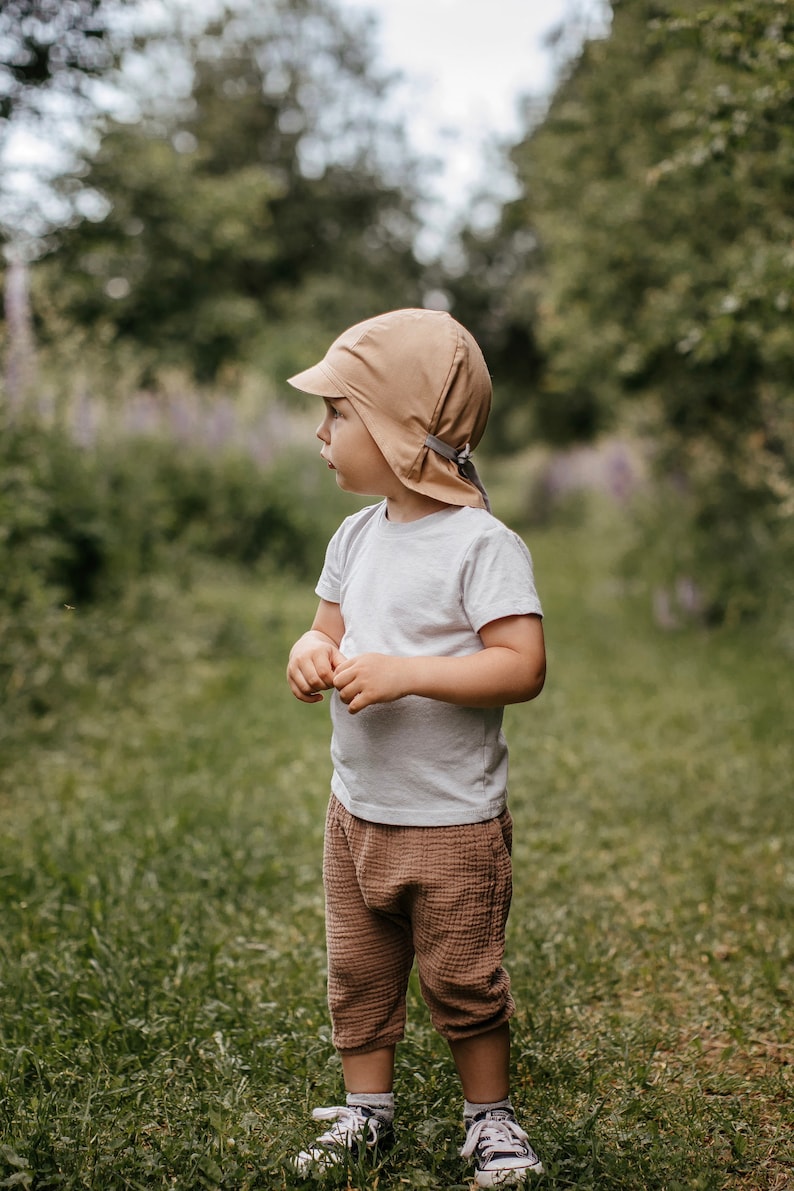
(381, 1103)
(471, 1109)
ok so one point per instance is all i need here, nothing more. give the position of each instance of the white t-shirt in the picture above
(422, 588)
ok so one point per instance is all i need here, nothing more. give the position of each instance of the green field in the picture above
(162, 1016)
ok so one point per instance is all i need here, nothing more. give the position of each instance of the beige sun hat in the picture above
(419, 383)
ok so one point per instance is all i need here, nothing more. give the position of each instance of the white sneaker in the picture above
(356, 1131)
(500, 1148)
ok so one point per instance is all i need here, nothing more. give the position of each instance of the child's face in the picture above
(350, 450)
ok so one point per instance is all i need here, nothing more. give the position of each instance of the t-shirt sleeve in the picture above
(497, 578)
(329, 585)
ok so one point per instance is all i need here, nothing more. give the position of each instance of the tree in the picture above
(276, 194)
(51, 55)
(51, 44)
(48, 50)
(492, 268)
(659, 186)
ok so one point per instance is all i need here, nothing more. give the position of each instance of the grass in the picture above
(162, 1016)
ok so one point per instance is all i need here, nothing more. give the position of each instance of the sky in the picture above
(467, 64)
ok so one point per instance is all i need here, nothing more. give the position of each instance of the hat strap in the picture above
(462, 457)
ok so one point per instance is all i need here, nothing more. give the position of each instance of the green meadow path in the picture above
(162, 1018)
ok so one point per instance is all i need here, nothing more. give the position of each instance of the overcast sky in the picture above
(467, 63)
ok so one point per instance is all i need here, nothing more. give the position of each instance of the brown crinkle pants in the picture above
(439, 894)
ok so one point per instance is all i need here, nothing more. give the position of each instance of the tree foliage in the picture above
(276, 194)
(52, 57)
(660, 187)
(500, 269)
(51, 43)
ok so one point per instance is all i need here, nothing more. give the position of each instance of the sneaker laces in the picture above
(496, 1135)
(353, 1125)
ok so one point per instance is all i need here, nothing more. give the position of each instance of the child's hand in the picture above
(371, 678)
(312, 663)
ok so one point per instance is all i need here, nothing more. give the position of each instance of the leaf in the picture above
(11, 1157)
(23, 1178)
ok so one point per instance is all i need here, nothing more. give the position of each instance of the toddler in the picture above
(428, 624)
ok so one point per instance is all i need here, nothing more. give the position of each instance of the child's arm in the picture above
(315, 656)
(510, 668)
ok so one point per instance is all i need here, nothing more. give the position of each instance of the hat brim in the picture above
(317, 381)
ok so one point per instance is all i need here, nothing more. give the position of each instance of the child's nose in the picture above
(322, 431)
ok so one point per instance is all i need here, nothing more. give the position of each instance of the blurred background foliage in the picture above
(647, 266)
(269, 190)
(241, 190)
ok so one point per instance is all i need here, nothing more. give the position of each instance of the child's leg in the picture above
(483, 1064)
(459, 924)
(460, 911)
(370, 952)
(369, 1073)
(498, 1146)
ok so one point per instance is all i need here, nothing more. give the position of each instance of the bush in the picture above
(87, 521)
(87, 528)
(716, 544)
